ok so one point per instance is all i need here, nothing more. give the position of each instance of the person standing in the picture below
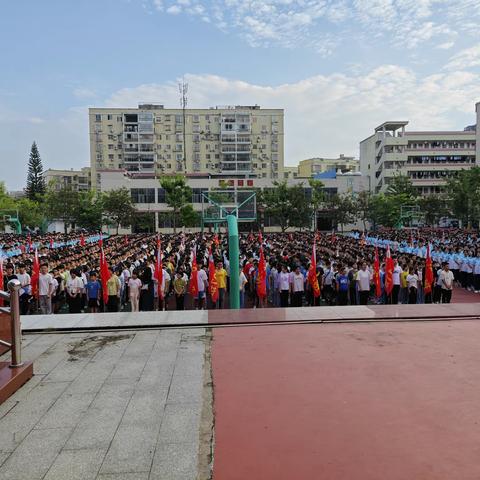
(446, 279)
(328, 281)
(180, 288)
(297, 286)
(412, 285)
(363, 280)
(25, 291)
(397, 271)
(342, 287)
(242, 282)
(92, 289)
(45, 290)
(113, 288)
(134, 286)
(284, 286)
(74, 292)
(221, 277)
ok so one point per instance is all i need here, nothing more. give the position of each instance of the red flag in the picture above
(82, 240)
(1, 280)
(51, 242)
(22, 248)
(216, 241)
(100, 240)
(362, 239)
(104, 275)
(428, 272)
(312, 272)
(125, 240)
(159, 268)
(194, 276)
(333, 238)
(35, 275)
(376, 274)
(388, 272)
(262, 272)
(212, 279)
(29, 240)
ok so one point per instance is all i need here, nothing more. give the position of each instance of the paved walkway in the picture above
(119, 406)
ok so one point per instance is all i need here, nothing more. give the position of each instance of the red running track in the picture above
(382, 401)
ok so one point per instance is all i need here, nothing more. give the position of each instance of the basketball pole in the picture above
(234, 254)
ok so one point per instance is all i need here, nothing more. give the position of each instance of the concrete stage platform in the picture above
(127, 320)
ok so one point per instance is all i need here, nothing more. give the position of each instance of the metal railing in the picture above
(12, 297)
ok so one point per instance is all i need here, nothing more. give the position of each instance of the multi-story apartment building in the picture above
(429, 159)
(78, 180)
(311, 166)
(150, 141)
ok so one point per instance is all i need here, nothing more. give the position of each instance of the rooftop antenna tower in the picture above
(183, 89)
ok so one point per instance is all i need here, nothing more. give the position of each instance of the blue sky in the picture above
(339, 68)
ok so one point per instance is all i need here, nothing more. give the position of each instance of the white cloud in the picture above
(314, 23)
(35, 120)
(82, 92)
(468, 58)
(330, 114)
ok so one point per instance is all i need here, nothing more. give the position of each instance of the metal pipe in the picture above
(16, 329)
(234, 254)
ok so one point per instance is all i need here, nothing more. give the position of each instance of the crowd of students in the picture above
(193, 270)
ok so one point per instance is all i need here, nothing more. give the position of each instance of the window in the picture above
(119, 118)
(162, 197)
(179, 156)
(250, 183)
(178, 119)
(196, 157)
(109, 117)
(240, 183)
(196, 118)
(110, 156)
(143, 195)
(178, 137)
(196, 128)
(131, 118)
(98, 117)
(110, 146)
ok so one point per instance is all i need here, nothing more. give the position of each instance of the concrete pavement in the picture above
(109, 406)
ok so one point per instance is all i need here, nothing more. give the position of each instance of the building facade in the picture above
(429, 159)
(150, 141)
(77, 180)
(312, 166)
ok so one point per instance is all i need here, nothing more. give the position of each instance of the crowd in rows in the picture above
(276, 270)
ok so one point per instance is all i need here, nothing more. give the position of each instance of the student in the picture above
(134, 287)
(342, 287)
(412, 285)
(284, 286)
(74, 292)
(93, 293)
(180, 289)
(25, 291)
(363, 280)
(242, 282)
(221, 277)
(297, 287)
(446, 279)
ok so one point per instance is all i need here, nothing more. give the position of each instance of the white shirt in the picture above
(24, 279)
(297, 282)
(45, 284)
(412, 280)
(75, 285)
(283, 280)
(134, 284)
(363, 278)
(396, 274)
(446, 279)
(202, 277)
(243, 280)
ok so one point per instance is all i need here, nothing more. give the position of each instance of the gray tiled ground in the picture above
(106, 406)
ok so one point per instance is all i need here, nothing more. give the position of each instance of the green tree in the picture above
(89, 210)
(363, 207)
(31, 213)
(401, 185)
(35, 182)
(118, 207)
(287, 206)
(464, 193)
(189, 217)
(434, 208)
(342, 209)
(177, 195)
(61, 203)
(318, 197)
